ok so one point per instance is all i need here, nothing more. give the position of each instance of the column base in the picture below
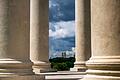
(15, 67)
(103, 68)
(24, 77)
(38, 71)
(79, 66)
(41, 67)
(78, 69)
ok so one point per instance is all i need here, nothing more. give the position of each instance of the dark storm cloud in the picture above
(66, 10)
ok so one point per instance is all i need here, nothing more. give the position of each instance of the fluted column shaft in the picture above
(14, 37)
(105, 61)
(82, 35)
(39, 52)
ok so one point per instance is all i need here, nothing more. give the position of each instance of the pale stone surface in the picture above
(63, 75)
(3, 28)
(39, 52)
(14, 37)
(105, 61)
(25, 77)
(83, 47)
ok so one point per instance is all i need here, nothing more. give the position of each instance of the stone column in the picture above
(39, 27)
(105, 61)
(82, 35)
(14, 37)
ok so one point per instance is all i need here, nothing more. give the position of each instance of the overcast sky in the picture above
(61, 25)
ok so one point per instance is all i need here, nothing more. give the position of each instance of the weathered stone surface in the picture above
(24, 77)
(14, 37)
(82, 35)
(105, 61)
(39, 52)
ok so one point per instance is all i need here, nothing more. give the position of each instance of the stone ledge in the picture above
(24, 77)
(63, 75)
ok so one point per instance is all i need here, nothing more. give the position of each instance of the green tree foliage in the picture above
(62, 64)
